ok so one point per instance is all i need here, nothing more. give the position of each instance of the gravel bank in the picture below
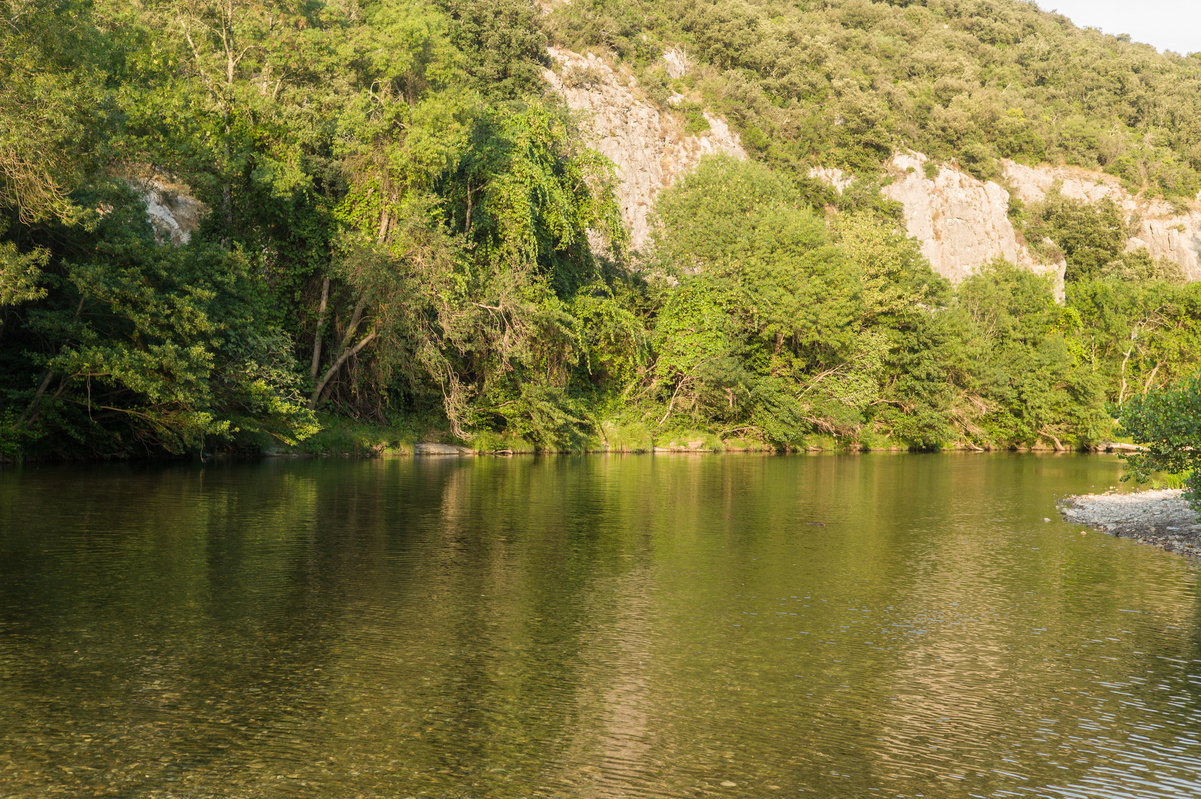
(1161, 518)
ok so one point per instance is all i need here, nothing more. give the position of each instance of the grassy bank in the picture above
(403, 436)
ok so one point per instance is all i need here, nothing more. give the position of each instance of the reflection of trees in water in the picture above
(158, 623)
(612, 749)
(550, 626)
(909, 688)
(466, 672)
(539, 542)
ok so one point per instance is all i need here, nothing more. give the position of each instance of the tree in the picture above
(470, 246)
(502, 44)
(154, 348)
(1167, 423)
(403, 128)
(1026, 378)
(760, 336)
(1091, 236)
(1137, 334)
(921, 366)
(52, 102)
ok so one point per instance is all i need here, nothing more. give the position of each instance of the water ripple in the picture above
(591, 627)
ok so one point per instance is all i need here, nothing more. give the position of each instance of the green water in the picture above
(668, 626)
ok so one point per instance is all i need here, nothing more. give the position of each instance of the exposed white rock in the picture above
(1032, 183)
(676, 61)
(832, 176)
(1176, 237)
(174, 213)
(962, 223)
(1163, 231)
(1161, 517)
(648, 148)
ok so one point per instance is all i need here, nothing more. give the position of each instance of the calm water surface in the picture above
(876, 625)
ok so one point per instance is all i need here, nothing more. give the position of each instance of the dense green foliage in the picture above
(773, 329)
(403, 224)
(848, 82)
(1167, 422)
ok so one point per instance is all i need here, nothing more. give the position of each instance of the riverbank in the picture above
(429, 434)
(1160, 517)
(342, 437)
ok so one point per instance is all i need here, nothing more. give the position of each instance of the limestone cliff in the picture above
(1160, 228)
(961, 222)
(649, 148)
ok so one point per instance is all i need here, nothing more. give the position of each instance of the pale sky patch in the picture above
(1166, 24)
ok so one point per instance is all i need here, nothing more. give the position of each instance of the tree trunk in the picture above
(347, 351)
(1151, 379)
(1058, 446)
(320, 324)
(31, 412)
(325, 380)
(385, 223)
(1122, 389)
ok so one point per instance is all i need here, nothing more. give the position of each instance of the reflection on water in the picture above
(589, 627)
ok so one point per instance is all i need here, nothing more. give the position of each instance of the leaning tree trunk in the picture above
(333, 370)
(348, 349)
(320, 324)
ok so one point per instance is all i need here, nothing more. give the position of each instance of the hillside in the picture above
(1094, 142)
(588, 225)
(962, 222)
(847, 83)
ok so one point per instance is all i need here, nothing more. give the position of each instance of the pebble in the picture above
(1161, 518)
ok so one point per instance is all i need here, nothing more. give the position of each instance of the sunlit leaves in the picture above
(1167, 422)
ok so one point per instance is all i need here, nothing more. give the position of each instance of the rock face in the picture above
(676, 62)
(174, 213)
(961, 222)
(832, 176)
(649, 149)
(1163, 231)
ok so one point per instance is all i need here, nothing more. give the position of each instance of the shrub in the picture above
(1167, 422)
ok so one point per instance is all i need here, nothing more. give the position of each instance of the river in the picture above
(637, 626)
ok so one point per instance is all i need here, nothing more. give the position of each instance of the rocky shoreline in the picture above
(1161, 518)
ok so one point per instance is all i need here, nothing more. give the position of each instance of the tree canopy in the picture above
(397, 221)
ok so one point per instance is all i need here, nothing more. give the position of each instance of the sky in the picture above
(1167, 24)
